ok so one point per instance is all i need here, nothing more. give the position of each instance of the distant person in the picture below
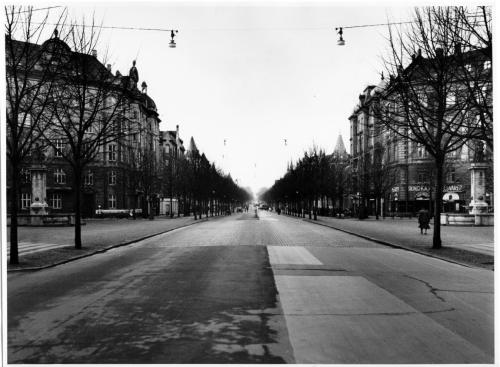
(423, 220)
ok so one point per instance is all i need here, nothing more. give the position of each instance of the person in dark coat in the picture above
(423, 220)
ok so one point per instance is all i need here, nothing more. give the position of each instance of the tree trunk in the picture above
(436, 239)
(14, 205)
(315, 209)
(77, 202)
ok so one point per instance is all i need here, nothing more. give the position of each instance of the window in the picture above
(454, 154)
(58, 147)
(451, 175)
(25, 176)
(25, 200)
(112, 178)
(88, 178)
(487, 65)
(59, 176)
(112, 152)
(421, 152)
(56, 201)
(465, 153)
(422, 177)
(468, 67)
(112, 201)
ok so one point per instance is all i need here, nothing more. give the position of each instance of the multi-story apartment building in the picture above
(172, 149)
(393, 174)
(109, 181)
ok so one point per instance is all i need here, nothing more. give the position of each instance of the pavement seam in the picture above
(100, 251)
(385, 243)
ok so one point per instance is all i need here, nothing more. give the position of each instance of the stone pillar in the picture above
(478, 188)
(39, 190)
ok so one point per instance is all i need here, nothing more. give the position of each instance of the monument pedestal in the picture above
(478, 188)
(39, 190)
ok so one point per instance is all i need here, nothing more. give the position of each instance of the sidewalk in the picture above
(467, 245)
(41, 247)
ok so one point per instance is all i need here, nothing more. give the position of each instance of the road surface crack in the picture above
(432, 289)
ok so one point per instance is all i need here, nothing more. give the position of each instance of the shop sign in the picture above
(395, 189)
(453, 188)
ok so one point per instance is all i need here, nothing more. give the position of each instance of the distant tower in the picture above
(340, 150)
(192, 146)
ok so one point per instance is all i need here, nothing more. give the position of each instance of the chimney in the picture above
(439, 52)
(94, 53)
(458, 48)
(108, 67)
(177, 130)
(144, 87)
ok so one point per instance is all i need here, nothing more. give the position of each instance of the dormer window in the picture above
(487, 65)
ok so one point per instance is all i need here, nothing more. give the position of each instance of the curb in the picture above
(385, 243)
(100, 251)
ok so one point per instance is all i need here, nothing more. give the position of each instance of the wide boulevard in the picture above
(247, 289)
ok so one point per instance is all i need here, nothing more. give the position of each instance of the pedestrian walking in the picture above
(423, 220)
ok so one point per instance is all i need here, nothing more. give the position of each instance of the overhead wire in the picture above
(38, 9)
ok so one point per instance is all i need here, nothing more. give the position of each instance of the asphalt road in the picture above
(247, 290)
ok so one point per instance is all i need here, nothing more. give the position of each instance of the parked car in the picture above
(264, 207)
(239, 209)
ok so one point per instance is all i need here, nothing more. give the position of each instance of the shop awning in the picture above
(451, 196)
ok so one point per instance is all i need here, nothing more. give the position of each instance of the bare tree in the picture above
(88, 113)
(30, 70)
(424, 102)
(472, 28)
(382, 175)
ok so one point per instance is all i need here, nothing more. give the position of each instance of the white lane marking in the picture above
(291, 255)
(339, 319)
(30, 248)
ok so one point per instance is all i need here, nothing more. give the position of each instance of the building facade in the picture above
(125, 173)
(393, 175)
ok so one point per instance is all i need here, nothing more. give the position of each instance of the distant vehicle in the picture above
(264, 207)
(239, 209)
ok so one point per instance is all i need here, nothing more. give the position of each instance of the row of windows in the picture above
(55, 201)
(88, 178)
(450, 177)
(111, 153)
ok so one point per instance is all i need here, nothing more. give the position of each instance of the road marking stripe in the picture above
(36, 248)
(291, 255)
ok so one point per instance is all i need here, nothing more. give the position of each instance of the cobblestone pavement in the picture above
(242, 289)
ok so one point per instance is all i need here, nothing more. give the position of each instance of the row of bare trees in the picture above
(314, 178)
(59, 96)
(438, 95)
(197, 185)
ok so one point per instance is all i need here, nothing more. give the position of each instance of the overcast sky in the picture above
(252, 75)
